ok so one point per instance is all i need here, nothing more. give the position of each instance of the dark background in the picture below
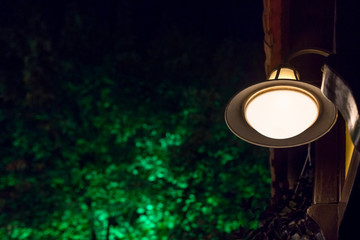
(111, 116)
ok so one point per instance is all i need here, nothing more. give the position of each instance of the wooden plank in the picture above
(329, 165)
(286, 165)
(328, 180)
(350, 193)
(273, 32)
(325, 215)
(278, 168)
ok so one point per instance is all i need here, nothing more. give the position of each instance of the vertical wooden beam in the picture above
(296, 159)
(349, 207)
(329, 165)
(273, 18)
(279, 177)
(272, 24)
(328, 179)
(325, 215)
(286, 165)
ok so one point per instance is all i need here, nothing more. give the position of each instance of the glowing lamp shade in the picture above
(284, 73)
(281, 113)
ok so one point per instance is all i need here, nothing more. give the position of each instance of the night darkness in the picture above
(111, 116)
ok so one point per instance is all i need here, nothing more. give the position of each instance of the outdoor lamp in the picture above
(281, 111)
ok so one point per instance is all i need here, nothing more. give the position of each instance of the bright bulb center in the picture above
(281, 113)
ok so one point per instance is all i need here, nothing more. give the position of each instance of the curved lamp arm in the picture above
(316, 51)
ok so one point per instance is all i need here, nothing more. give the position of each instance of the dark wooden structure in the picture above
(289, 26)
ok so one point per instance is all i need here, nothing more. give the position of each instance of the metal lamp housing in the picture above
(281, 112)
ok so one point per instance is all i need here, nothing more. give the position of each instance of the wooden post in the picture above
(328, 179)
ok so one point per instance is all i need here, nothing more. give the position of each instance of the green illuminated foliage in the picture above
(126, 141)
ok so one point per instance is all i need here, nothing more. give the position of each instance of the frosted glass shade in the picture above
(281, 113)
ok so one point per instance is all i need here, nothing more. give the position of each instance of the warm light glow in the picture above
(285, 73)
(349, 149)
(281, 112)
